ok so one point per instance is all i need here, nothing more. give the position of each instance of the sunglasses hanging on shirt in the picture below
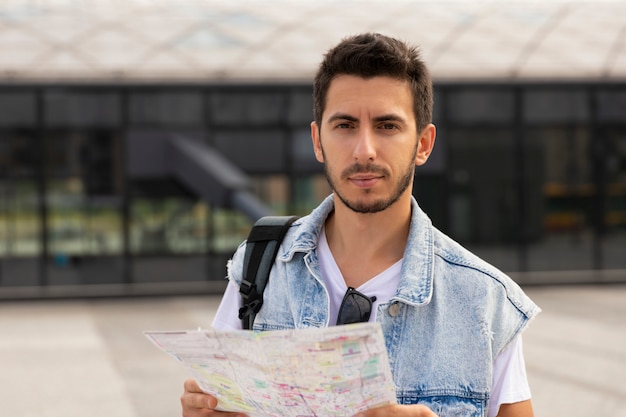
(355, 307)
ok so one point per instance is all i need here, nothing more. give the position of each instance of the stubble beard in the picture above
(376, 206)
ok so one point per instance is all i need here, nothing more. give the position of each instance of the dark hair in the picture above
(369, 55)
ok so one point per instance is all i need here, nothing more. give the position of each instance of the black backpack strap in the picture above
(261, 249)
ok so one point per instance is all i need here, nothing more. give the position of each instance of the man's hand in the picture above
(415, 410)
(197, 403)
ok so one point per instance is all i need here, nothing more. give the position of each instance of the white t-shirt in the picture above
(510, 383)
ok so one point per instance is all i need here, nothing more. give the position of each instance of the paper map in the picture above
(333, 371)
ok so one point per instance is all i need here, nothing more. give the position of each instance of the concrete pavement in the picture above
(576, 351)
(90, 358)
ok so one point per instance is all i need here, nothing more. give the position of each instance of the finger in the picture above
(414, 410)
(192, 386)
(194, 398)
(198, 401)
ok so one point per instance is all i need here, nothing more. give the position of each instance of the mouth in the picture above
(365, 180)
(364, 176)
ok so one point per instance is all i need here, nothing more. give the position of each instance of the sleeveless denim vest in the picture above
(450, 317)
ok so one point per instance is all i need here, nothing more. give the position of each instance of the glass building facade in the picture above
(529, 176)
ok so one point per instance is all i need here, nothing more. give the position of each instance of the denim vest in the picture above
(450, 317)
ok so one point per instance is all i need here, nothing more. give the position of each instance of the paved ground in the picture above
(90, 358)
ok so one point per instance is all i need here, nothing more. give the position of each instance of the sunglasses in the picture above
(356, 307)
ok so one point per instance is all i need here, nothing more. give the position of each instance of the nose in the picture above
(364, 148)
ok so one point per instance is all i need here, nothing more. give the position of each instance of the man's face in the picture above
(368, 141)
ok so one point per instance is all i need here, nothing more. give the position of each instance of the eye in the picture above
(343, 125)
(388, 126)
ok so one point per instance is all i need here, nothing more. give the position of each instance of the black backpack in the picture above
(261, 249)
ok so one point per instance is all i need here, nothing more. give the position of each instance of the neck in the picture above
(376, 240)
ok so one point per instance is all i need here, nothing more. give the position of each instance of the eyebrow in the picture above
(342, 116)
(389, 117)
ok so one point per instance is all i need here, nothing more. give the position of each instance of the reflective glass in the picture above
(20, 233)
(17, 109)
(488, 106)
(255, 151)
(566, 208)
(551, 106)
(63, 108)
(168, 225)
(483, 203)
(247, 108)
(163, 108)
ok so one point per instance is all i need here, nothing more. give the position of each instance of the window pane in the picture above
(253, 151)
(484, 211)
(182, 109)
(20, 226)
(438, 105)
(236, 108)
(301, 109)
(480, 106)
(611, 106)
(18, 154)
(81, 226)
(273, 190)
(168, 225)
(231, 228)
(17, 109)
(92, 156)
(76, 109)
(20, 233)
(310, 190)
(63, 156)
(549, 106)
(303, 158)
(566, 238)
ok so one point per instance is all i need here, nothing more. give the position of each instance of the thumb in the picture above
(414, 410)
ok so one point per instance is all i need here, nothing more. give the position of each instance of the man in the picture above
(451, 321)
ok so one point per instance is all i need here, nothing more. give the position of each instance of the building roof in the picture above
(283, 40)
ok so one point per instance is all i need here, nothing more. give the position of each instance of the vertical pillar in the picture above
(127, 275)
(599, 155)
(40, 161)
(520, 179)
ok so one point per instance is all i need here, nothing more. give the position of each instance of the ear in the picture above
(425, 144)
(317, 144)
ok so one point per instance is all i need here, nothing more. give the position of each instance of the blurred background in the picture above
(139, 140)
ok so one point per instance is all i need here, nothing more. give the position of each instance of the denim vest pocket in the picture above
(466, 405)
